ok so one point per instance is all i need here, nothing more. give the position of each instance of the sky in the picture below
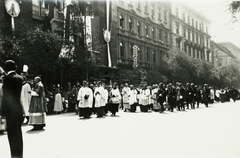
(221, 29)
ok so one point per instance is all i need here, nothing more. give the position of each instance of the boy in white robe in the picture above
(85, 99)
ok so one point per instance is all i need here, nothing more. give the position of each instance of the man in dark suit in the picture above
(12, 108)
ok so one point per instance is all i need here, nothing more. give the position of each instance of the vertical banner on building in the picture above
(88, 33)
(107, 34)
(135, 55)
(13, 9)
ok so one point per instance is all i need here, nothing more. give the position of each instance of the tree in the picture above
(234, 8)
(33, 47)
(230, 76)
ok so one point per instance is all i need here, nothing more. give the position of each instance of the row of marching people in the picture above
(102, 98)
(99, 100)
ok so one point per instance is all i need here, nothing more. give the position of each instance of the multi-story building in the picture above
(190, 31)
(153, 27)
(225, 56)
(145, 24)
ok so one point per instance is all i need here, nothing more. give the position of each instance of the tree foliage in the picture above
(234, 8)
(33, 47)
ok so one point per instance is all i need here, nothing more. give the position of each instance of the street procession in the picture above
(110, 71)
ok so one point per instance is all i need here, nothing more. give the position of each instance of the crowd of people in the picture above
(100, 98)
(19, 100)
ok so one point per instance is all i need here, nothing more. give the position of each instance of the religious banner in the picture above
(13, 9)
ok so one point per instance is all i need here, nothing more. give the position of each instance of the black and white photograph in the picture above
(119, 79)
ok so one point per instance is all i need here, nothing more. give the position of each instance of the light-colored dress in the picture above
(38, 108)
(26, 98)
(58, 106)
(144, 97)
(125, 97)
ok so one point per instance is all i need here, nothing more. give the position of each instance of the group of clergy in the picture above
(102, 98)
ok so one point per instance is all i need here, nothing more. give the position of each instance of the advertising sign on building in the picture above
(135, 55)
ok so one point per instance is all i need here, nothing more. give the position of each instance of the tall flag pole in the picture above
(107, 34)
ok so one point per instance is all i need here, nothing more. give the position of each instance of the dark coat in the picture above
(161, 95)
(13, 110)
(12, 86)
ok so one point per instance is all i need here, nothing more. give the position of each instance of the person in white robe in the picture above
(99, 95)
(115, 99)
(58, 104)
(217, 94)
(26, 98)
(156, 105)
(132, 98)
(212, 95)
(144, 99)
(85, 100)
(125, 97)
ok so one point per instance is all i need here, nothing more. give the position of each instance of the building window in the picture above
(193, 37)
(121, 50)
(130, 3)
(185, 48)
(200, 27)
(139, 5)
(166, 37)
(154, 57)
(147, 55)
(131, 49)
(121, 22)
(196, 25)
(184, 17)
(160, 34)
(165, 15)
(152, 9)
(139, 28)
(159, 13)
(206, 29)
(145, 7)
(189, 50)
(193, 52)
(197, 38)
(139, 54)
(177, 14)
(189, 34)
(130, 23)
(184, 33)
(177, 27)
(147, 30)
(153, 33)
(193, 22)
(38, 8)
(206, 42)
(188, 18)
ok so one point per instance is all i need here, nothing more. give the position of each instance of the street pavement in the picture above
(212, 132)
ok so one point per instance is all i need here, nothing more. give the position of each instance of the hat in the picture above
(10, 65)
(25, 68)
